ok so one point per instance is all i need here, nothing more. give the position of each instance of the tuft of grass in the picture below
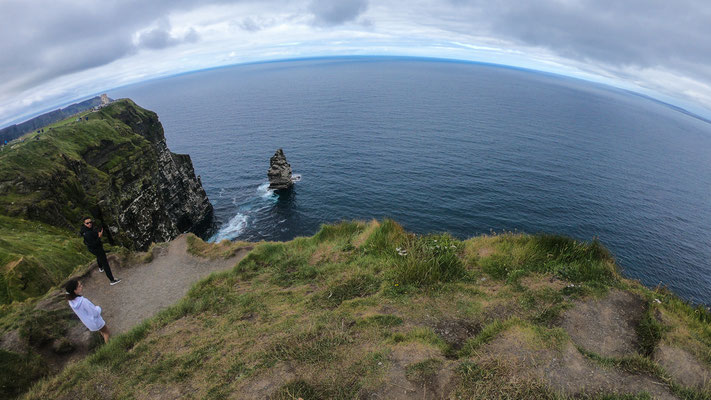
(295, 390)
(426, 260)
(342, 230)
(423, 371)
(492, 380)
(40, 327)
(309, 347)
(385, 238)
(382, 320)
(487, 334)
(649, 331)
(562, 256)
(18, 372)
(357, 286)
(222, 250)
(300, 389)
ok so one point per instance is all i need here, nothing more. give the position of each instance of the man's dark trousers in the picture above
(103, 262)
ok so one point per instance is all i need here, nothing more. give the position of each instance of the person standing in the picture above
(92, 240)
(88, 313)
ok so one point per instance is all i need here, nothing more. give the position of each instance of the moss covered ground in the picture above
(362, 309)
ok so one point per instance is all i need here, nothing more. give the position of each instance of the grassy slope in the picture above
(42, 180)
(321, 316)
(39, 179)
(35, 257)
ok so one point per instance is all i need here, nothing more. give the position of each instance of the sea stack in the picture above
(279, 172)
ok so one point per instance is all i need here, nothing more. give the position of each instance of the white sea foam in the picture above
(230, 230)
(264, 192)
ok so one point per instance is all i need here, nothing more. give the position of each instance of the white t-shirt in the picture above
(88, 313)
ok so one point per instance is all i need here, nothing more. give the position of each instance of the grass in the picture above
(35, 257)
(517, 255)
(65, 173)
(426, 260)
(48, 182)
(322, 317)
(19, 371)
(222, 250)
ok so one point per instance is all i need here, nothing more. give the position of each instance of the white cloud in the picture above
(69, 49)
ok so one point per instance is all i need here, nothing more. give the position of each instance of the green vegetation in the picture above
(19, 371)
(35, 257)
(337, 314)
(49, 181)
(224, 249)
(44, 178)
(518, 255)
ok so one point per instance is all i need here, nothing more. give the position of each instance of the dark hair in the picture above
(70, 287)
(85, 218)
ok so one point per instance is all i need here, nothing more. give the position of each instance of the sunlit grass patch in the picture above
(212, 251)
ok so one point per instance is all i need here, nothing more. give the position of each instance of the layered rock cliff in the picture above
(279, 172)
(115, 167)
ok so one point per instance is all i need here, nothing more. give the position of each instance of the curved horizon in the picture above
(701, 114)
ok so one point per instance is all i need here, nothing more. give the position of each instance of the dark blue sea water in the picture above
(444, 146)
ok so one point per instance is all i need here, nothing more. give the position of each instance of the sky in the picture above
(54, 52)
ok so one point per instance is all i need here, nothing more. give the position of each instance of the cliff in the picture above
(14, 131)
(115, 166)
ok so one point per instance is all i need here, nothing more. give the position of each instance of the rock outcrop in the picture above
(279, 172)
(116, 167)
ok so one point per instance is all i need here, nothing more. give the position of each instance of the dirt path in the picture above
(145, 289)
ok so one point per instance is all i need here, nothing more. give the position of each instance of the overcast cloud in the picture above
(55, 52)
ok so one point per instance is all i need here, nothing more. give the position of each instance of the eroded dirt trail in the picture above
(145, 289)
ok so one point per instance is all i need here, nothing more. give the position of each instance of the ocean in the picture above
(448, 146)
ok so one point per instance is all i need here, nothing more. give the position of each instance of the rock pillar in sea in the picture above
(279, 172)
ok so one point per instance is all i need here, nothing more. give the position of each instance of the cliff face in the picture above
(279, 172)
(115, 167)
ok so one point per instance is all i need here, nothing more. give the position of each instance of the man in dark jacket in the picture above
(92, 240)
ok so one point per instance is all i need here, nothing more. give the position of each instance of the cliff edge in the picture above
(113, 164)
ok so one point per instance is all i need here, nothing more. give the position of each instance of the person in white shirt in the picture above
(88, 313)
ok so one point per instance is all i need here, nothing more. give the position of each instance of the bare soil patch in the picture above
(397, 386)
(566, 370)
(606, 326)
(684, 368)
(266, 384)
(455, 332)
(485, 251)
